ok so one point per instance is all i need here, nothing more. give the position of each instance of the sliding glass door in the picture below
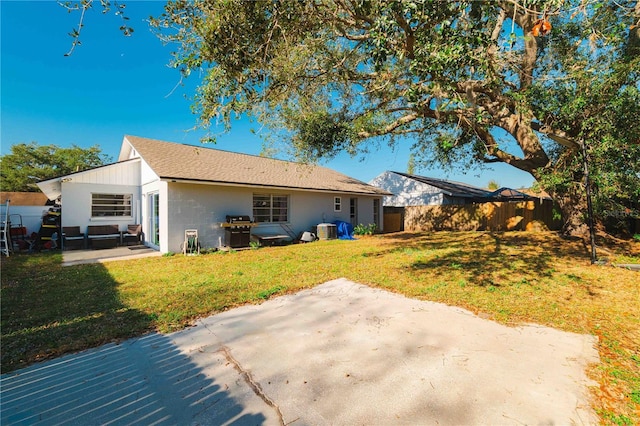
(154, 218)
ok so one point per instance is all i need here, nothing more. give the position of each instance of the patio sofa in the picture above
(103, 236)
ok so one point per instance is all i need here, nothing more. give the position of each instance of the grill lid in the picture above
(238, 219)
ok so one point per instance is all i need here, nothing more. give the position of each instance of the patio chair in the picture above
(72, 238)
(190, 246)
(133, 234)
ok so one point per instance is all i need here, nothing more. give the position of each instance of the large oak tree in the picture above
(467, 83)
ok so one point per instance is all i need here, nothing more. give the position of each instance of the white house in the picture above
(169, 187)
(413, 190)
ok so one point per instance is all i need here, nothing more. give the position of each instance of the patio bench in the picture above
(103, 236)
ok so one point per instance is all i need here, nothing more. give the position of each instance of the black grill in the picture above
(237, 233)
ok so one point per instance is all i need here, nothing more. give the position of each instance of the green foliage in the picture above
(27, 164)
(106, 7)
(333, 76)
(469, 83)
(411, 164)
(265, 294)
(361, 229)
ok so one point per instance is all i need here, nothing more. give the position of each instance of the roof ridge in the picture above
(454, 182)
(206, 164)
(300, 163)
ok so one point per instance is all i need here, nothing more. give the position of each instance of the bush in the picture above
(365, 229)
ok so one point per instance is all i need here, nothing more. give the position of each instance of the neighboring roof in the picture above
(452, 189)
(508, 194)
(171, 160)
(457, 189)
(24, 198)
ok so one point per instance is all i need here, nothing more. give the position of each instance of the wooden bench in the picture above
(103, 236)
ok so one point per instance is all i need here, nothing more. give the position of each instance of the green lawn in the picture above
(48, 310)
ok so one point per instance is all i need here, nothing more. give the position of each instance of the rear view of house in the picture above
(169, 188)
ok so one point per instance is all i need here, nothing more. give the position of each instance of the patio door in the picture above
(154, 219)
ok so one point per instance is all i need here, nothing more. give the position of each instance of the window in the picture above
(337, 204)
(270, 208)
(106, 205)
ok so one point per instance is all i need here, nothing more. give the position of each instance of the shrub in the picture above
(365, 229)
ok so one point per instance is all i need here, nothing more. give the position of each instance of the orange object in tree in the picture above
(541, 28)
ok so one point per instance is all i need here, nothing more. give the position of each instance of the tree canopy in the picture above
(466, 83)
(469, 83)
(29, 163)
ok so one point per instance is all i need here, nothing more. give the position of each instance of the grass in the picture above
(513, 278)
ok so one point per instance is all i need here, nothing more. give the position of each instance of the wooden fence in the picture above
(505, 216)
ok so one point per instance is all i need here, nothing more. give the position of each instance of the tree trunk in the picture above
(573, 206)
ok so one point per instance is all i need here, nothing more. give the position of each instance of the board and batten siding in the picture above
(118, 178)
(407, 192)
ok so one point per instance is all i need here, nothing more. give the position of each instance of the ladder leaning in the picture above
(5, 231)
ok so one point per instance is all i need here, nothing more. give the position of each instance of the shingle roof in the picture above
(453, 189)
(171, 160)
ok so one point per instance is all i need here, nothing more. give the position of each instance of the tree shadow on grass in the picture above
(486, 258)
(48, 310)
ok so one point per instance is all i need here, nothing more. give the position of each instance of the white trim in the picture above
(337, 204)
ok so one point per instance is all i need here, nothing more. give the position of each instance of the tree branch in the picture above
(556, 135)
(391, 127)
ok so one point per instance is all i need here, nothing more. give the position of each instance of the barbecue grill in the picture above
(237, 231)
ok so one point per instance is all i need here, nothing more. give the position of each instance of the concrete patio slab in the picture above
(341, 353)
(79, 257)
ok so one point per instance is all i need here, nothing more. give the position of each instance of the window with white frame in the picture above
(337, 204)
(270, 208)
(109, 205)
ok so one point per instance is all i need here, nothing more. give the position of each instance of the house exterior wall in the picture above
(205, 207)
(407, 192)
(150, 183)
(121, 178)
(147, 175)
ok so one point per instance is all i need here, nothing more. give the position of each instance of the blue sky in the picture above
(114, 85)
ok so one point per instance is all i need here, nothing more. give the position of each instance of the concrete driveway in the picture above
(341, 353)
